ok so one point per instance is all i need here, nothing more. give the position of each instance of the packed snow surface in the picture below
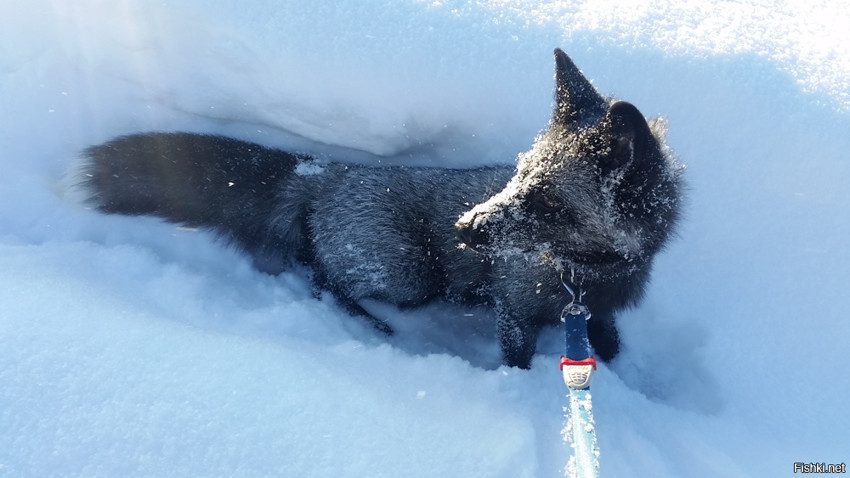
(131, 347)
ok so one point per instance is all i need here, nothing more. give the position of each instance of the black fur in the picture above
(593, 200)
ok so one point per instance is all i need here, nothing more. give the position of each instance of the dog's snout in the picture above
(469, 234)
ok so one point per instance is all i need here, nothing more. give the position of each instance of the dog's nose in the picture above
(470, 235)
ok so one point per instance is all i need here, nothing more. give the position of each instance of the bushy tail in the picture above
(231, 186)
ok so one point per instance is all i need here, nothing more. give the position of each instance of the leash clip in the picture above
(578, 364)
(574, 307)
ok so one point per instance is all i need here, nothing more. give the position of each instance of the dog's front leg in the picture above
(517, 337)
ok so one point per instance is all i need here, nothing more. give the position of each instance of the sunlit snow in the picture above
(130, 347)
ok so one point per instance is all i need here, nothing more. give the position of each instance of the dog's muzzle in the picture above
(470, 235)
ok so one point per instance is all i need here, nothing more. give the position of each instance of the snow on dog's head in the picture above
(597, 194)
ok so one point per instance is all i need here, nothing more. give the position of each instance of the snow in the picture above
(130, 347)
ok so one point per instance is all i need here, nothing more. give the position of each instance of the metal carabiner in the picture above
(573, 307)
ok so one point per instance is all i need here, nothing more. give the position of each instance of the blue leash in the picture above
(577, 366)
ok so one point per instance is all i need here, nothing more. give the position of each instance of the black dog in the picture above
(592, 202)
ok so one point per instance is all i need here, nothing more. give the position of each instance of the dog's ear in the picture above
(577, 104)
(630, 135)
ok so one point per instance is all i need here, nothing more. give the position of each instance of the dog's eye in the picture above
(544, 203)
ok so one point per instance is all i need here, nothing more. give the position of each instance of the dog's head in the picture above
(597, 194)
